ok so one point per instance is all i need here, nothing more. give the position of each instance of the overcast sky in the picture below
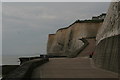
(26, 25)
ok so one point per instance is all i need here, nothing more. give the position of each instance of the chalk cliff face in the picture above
(83, 38)
(67, 41)
(108, 40)
(110, 26)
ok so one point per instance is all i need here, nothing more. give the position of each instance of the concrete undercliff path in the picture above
(71, 68)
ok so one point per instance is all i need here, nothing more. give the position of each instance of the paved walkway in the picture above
(71, 68)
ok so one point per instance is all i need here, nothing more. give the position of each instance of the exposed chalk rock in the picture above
(110, 25)
(66, 41)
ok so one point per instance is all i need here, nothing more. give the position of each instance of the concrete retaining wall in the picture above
(106, 55)
(25, 70)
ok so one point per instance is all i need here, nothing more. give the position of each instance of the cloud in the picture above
(0, 33)
(27, 25)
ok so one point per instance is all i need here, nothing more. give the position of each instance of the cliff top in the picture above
(95, 19)
(51, 34)
(83, 21)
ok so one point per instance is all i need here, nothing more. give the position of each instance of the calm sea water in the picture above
(10, 60)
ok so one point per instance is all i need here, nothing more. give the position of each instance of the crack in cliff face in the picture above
(70, 39)
(77, 52)
(61, 46)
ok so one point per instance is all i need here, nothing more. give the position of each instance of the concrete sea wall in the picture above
(6, 69)
(24, 71)
(106, 55)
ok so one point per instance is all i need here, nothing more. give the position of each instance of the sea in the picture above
(9, 60)
(13, 59)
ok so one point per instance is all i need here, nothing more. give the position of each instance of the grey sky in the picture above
(26, 25)
(0, 33)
